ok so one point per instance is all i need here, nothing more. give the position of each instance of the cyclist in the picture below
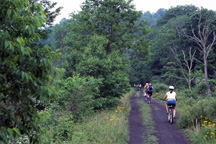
(145, 88)
(171, 98)
(150, 90)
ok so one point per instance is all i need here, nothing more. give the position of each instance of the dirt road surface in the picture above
(165, 132)
(136, 127)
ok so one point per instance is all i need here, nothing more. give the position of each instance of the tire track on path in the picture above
(166, 133)
(136, 128)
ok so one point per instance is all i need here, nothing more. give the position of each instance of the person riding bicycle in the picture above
(150, 90)
(171, 98)
(145, 88)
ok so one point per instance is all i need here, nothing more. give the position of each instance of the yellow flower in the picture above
(111, 119)
(213, 125)
(207, 132)
(201, 116)
(118, 119)
(116, 111)
(205, 122)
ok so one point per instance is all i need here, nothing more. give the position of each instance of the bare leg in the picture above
(174, 111)
(167, 109)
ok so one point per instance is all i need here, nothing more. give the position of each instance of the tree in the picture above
(205, 38)
(25, 71)
(116, 21)
(185, 64)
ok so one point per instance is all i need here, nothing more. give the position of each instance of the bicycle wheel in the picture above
(168, 117)
(148, 99)
(171, 115)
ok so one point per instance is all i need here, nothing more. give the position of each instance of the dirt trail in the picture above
(165, 132)
(136, 127)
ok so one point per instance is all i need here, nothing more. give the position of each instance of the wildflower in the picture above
(201, 116)
(111, 119)
(205, 122)
(116, 111)
(213, 125)
(118, 119)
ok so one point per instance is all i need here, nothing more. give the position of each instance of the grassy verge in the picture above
(149, 138)
(106, 127)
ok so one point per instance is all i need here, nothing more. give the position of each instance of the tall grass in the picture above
(104, 127)
(107, 127)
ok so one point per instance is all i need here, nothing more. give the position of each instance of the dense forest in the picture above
(85, 64)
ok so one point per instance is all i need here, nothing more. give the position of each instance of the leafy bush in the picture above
(77, 94)
(201, 88)
(158, 87)
(61, 129)
(200, 111)
(189, 93)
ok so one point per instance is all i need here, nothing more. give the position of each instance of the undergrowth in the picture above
(104, 127)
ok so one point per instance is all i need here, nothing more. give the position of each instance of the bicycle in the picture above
(148, 99)
(170, 113)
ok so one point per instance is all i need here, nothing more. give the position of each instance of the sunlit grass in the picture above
(107, 127)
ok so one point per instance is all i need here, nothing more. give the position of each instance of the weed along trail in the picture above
(136, 127)
(165, 132)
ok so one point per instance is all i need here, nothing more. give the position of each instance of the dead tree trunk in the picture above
(185, 65)
(205, 31)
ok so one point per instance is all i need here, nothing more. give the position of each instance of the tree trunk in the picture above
(206, 75)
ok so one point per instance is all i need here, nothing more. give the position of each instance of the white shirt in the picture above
(171, 96)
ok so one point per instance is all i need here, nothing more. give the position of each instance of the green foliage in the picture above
(152, 18)
(112, 68)
(200, 111)
(58, 127)
(109, 126)
(158, 87)
(77, 94)
(25, 71)
(175, 12)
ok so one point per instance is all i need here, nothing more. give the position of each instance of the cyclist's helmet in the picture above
(171, 87)
(150, 84)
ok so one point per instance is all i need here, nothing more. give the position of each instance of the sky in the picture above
(140, 5)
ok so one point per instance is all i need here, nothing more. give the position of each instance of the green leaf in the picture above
(9, 12)
(6, 44)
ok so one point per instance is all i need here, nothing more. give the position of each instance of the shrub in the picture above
(189, 93)
(77, 94)
(60, 130)
(202, 110)
(160, 87)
